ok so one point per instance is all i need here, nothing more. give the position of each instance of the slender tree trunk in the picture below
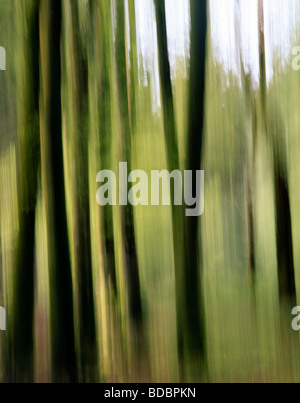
(131, 261)
(250, 128)
(262, 63)
(21, 324)
(103, 58)
(284, 238)
(173, 163)
(186, 240)
(101, 88)
(126, 90)
(194, 162)
(78, 97)
(61, 297)
(285, 258)
(134, 74)
(166, 87)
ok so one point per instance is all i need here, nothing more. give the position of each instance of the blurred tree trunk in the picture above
(21, 323)
(166, 86)
(104, 67)
(285, 257)
(250, 129)
(194, 162)
(61, 298)
(126, 91)
(186, 240)
(173, 163)
(134, 73)
(78, 98)
(262, 63)
(101, 106)
(131, 262)
(284, 238)
(126, 83)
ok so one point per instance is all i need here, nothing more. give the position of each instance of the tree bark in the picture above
(284, 238)
(250, 130)
(194, 162)
(78, 97)
(131, 260)
(21, 324)
(186, 237)
(61, 296)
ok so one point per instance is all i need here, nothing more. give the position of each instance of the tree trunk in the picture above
(134, 73)
(190, 320)
(61, 297)
(250, 130)
(21, 329)
(131, 261)
(262, 62)
(284, 238)
(104, 60)
(285, 257)
(194, 162)
(78, 98)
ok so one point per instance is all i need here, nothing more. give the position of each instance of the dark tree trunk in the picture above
(21, 324)
(61, 296)
(131, 263)
(262, 61)
(190, 320)
(173, 163)
(284, 238)
(285, 257)
(166, 86)
(134, 74)
(81, 210)
(102, 36)
(194, 162)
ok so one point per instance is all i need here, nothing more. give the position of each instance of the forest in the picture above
(99, 289)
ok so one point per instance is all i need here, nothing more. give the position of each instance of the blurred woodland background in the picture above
(145, 294)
